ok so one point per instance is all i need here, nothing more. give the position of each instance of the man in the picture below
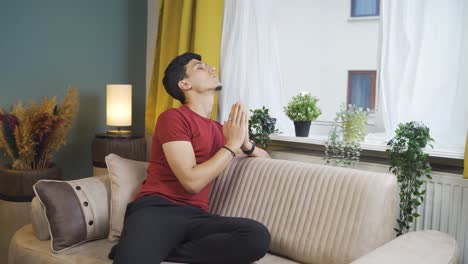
(169, 218)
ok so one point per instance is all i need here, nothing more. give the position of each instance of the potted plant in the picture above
(30, 137)
(354, 123)
(261, 125)
(343, 147)
(302, 109)
(409, 163)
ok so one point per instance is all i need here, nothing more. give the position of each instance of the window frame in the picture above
(373, 74)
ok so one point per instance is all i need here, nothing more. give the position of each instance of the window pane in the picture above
(361, 90)
(364, 8)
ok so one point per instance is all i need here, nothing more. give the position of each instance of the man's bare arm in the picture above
(193, 177)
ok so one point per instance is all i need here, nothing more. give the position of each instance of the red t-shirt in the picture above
(181, 124)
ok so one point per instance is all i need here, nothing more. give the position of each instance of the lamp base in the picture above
(119, 133)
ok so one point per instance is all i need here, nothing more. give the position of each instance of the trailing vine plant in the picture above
(409, 163)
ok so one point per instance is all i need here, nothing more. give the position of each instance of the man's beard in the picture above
(219, 88)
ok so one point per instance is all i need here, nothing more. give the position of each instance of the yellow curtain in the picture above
(184, 25)
(466, 158)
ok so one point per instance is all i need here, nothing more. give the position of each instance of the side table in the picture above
(126, 146)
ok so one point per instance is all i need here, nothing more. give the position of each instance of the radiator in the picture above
(445, 206)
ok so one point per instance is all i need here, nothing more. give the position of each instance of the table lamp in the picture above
(119, 109)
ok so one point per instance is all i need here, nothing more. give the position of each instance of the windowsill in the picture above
(371, 143)
(324, 123)
(363, 18)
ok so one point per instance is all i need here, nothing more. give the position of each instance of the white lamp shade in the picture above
(119, 105)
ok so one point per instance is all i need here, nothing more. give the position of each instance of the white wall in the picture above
(318, 44)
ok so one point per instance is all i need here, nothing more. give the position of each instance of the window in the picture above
(365, 8)
(326, 52)
(361, 89)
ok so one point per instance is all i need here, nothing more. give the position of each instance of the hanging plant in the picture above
(409, 163)
(343, 147)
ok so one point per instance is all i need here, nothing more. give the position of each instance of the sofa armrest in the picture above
(38, 220)
(428, 246)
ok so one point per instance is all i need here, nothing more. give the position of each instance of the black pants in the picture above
(157, 230)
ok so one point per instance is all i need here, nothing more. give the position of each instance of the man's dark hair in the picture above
(176, 72)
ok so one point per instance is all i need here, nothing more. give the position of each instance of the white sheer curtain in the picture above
(250, 70)
(424, 67)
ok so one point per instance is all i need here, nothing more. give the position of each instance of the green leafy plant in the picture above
(261, 125)
(303, 107)
(409, 163)
(343, 147)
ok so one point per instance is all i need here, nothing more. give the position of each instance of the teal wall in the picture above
(49, 45)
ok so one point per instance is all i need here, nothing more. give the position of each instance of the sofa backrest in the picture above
(315, 213)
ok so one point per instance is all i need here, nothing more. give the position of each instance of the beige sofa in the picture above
(316, 214)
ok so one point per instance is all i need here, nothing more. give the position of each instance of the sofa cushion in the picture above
(126, 177)
(424, 246)
(315, 213)
(77, 211)
(25, 248)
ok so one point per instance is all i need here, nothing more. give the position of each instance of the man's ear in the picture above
(184, 85)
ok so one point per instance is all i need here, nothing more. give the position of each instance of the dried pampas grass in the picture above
(38, 132)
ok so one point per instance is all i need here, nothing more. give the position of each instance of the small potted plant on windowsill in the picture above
(302, 109)
(261, 126)
(343, 146)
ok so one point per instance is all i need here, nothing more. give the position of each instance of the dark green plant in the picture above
(303, 107)
(409, 163)
(261, 125)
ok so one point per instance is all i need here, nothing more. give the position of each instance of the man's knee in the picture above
(258, 240)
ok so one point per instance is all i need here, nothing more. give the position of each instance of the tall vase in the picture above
(16, 193)
(302, 128)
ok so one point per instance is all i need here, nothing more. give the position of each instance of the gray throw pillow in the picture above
(77, 211)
